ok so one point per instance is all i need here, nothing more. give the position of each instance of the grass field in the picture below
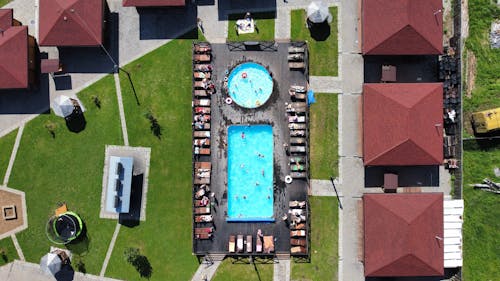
(6, 145)
(8, 252)
(323, 55)
(264, 23)
(164, 89)
(324, 136)
(324, 242)
(68, 168)
(481, 223)
(4, 2)
(228, 271)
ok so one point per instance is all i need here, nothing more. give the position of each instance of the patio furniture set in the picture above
(298, 222)
(296, 58)
(297, 117)
(243, 244)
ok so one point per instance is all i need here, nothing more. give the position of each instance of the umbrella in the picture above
(63, 106)
(51, 263)
(318, 12)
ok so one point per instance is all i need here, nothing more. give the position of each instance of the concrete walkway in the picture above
(18, 247)
(282, 270)
(110, 250)
(13, 155)
(206, 271)
(123, 121)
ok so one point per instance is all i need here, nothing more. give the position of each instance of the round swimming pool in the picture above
(250, 85)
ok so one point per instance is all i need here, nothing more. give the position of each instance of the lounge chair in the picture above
(239, 244)
(297, 204)
(202, 110)
(297, 140)
(203, 165)
(298, 233)
(200, 230)
(249, 243)
(297, 168)
(201, 58)
(201, 142)
(201, 134)
(298, 89)
(296, 57)
(258, 245)
(298, 250)
(201, 203)
(198, 180)
(201, 75)
(201, 93)
(203, 218)
(205, 151)
(202, 102)
(202, 236)
(296, 212)
(296, 65)
(297, 133)
(202, 173)
(297, 126)
(298, 242)
(298, 175)
(202, 210)
(268, 244)
(295, 49)
(298, 226)
(296, 107)
(199, 126)
(203, 67)
(232, 243)
(297, 148)
(202, 48)
(296, 119)
(297, 159)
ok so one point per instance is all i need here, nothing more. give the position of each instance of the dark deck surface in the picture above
(410, 69)
(272, 112)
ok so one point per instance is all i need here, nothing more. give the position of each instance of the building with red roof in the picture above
(402, 124)
(17, 53)
(153, 3)
(71, 22)
(403, 234)
(403, 27)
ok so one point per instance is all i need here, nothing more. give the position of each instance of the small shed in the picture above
(153, 3)
(453, 221)
(119, 184)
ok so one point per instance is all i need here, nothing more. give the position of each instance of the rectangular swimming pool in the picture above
(250, 173)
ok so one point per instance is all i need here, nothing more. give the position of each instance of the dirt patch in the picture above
(471, 74)
(448, 30)
(8, 199)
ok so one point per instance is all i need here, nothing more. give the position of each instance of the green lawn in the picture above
(228, 271)
(68, 168)
(165, 90)
(324, 136)
(264, 23)
(323, 55)
(4, 2)
(6, 145)
(8, 252)
(481, 219)
(324, 242)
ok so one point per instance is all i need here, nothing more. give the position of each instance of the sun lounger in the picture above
(201, 134)
(201, 75)
(203, 236)
(201, 102)
(297, 148)
(298, 250)
(297, 168)
(298, 242)
(200, 230)
(199, 193)
(202, 173)
(296, 107)
(201, 93)
(205, 151)
(200, 126)
(202, 48)
(297, 204)
(297, 159)
(201, 203)
(298, 175)
(298, 226)
(202, 210)
(201, 58)
(198, 180)
(298, 96)
(298, 88)
(202, 110)
(239, 243)
(232, 243)
(204, 218)
(268, 244)
(297, 233)
(203, 67)
(296, 57)
(258, 245)
(297, 126)
(202, 165)
(296, 65)
(249, 243)
(297, 133)
(296, 211)
(201, 142)
(297, 140)
(294, 49)
(296, 119)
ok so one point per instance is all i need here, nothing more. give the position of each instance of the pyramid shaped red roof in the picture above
(71, 22)
(14, 58)
(402, 124)
(402, 27)
(403, 234)
(153, 3)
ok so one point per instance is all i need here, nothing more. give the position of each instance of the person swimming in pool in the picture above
(242, 135)
(262, 172)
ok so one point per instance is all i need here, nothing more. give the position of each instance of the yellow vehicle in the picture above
(486, 121)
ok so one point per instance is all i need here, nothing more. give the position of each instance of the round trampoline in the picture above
(64, 228)
(250, 85)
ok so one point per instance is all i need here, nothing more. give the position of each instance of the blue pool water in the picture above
(250, 85)
(250, 173)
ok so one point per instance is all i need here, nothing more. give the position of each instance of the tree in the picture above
(51, 127)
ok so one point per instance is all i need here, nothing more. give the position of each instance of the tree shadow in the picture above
(319, 31)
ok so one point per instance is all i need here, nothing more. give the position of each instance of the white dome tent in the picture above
(317, 12)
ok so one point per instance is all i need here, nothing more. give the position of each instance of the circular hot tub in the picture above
(250, 85)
